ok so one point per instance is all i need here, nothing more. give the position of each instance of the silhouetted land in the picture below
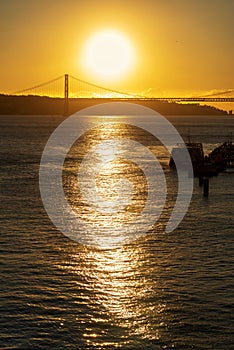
(55, 106)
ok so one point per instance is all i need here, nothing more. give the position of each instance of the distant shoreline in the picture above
(43, 105)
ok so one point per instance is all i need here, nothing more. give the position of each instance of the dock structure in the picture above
(204, 167)
(220, 159)
(223, 155)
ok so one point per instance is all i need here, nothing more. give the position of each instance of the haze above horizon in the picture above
(178, 48)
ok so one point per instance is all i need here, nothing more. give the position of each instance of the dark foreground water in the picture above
(163, 291)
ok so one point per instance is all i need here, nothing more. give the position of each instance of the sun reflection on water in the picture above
(121, 286)
(120, 293)
(105, 184)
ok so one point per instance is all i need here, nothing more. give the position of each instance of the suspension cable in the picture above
(37, 86)
(106, 89)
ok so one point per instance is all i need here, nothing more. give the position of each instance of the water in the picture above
(162, 291)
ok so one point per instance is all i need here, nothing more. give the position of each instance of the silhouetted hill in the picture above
(55, 106)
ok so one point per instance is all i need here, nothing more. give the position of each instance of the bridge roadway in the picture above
(183, 99)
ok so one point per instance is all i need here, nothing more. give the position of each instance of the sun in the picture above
(108, 55)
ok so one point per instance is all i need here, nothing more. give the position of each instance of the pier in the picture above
(220, 159)
(222, 156)
(204, 167)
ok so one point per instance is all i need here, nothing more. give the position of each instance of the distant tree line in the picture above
(34, 105)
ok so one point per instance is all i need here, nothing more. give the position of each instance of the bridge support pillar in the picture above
(66, 96)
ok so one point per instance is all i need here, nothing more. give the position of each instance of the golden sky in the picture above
(180, 46)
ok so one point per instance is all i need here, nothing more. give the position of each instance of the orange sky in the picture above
(182, 46)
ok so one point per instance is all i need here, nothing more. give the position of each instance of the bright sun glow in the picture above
(108, 54)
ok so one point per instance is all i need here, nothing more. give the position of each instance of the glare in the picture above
(108, 54)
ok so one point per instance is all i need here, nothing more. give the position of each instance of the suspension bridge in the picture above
(67, 86)
(70, 87)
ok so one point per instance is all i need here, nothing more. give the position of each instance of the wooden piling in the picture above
(206, 187)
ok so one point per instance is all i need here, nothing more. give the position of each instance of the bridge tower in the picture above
(66, 95)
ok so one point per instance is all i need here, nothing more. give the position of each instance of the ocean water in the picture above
(160, 291)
